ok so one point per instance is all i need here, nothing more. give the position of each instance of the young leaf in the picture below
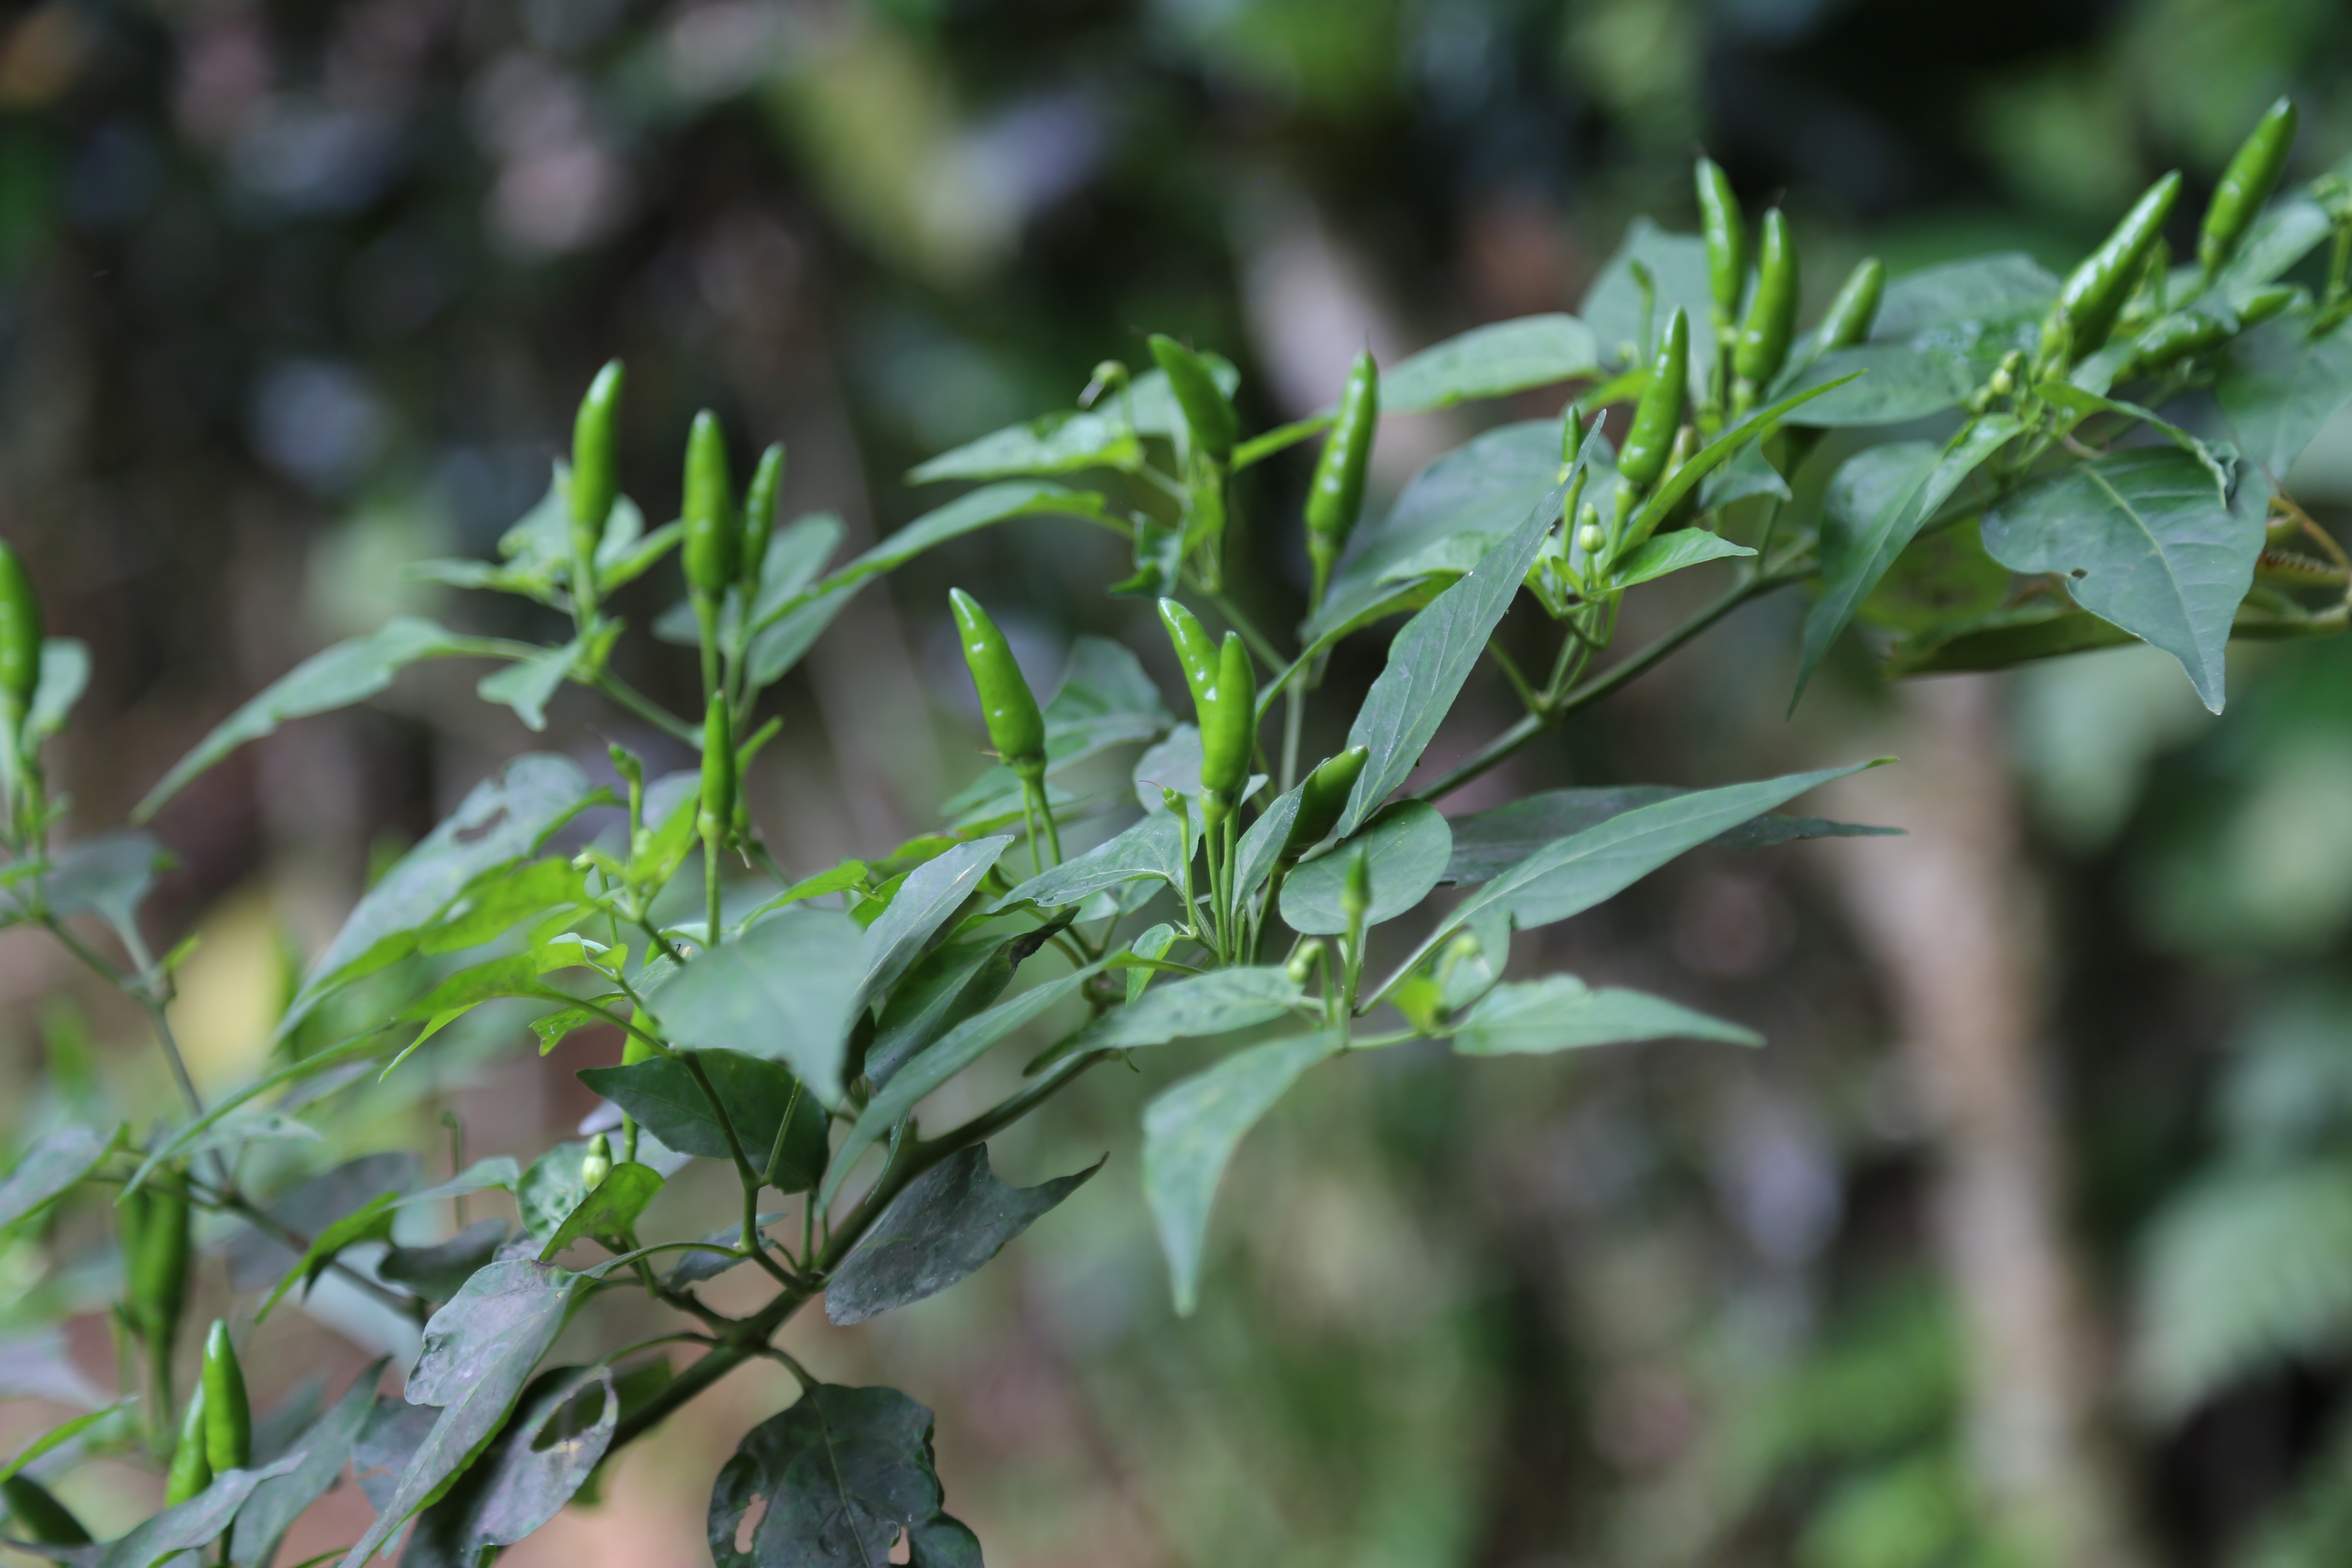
(932, 893)
(1153, 847)
(528, 685)
(1867, 520)
(1260, 847)
(479, 1351)
(787, 991)
(1189, 1134)
(323, 1451)
(1194, 1008)
(949, 1221)
(356, 1051)
(1492, 360)
(946, 986)
(1057, 443)
(64, 1432)
(51, 1166)
(346, 673)
(1431, 658)
(842, 1472)
(1490, 842)
(65, 675)
(1561, 1013)
(1409, 843)
(1671, 552)
(2143, 541)
(780, 1124)
(548, 1450)
(499, 1173)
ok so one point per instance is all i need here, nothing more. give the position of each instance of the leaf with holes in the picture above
(844, 1473)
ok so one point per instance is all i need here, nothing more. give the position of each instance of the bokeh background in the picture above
(2029, 1238)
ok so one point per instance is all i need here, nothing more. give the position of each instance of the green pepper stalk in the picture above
(595, 484)
(716, 812)
(1208, 414)
(1015, 728)
(1335, 497)
(1771, 315)
(2246, 184)
(1656, 416)
(707, 510)
(2095, 292)
(192, 1469)
(228, 1414)
(39, 1516)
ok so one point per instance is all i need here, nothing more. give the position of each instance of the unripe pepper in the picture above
(1228, 728)
(1659, 414)
(37, 1516)
(1727, 242)
(159, 1272)
(2095, 292)
(228, 1415)
(1323, 798)
(1848, 320)
(20, 640)
(760, 518)
(707, 511)
(1772, 313)
(2246, 184)
(2170, 338)
(1207, 414)
(1196, 651)
(716, 811)
(1015, 728)
(192, 1469)
(595, 473)
(1335, 497)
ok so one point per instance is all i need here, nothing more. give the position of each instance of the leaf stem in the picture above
(646, 707)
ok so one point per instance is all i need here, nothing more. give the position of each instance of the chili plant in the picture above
(2004, 488)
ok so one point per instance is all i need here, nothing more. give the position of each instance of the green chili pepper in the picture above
(2094, 293)
(1727, 242)
(716, 810)
(1356, 896)
(159, 1271)
(1848, 320)
(760, 518)
(1015, 728)
(597, 1164)
(228, 1415)
(1322, 798)
(1207, 414)
(2245, 185)
(1659, 414)
(595, 473)
(1335, 498)
(707, 509)
(1228, 726)
(1196, 651)
(1772, 313)
(40, 1517)
(2264, 303)
(2170, 338)
(192, 1469)
(20, 640)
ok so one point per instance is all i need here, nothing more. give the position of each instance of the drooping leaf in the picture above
(1561, 1013)
(196, 1523)
(1194, 1007)
(2278, 385)
(504, 819)
(346, 673)
(1671, 552)
(1875, 507)
(548, 1449)
(2044, 628)
(2144, 539)
(1050, 444)
(932, 893)
(324, 1449)
(1430, 660)
(1491, 361)
(1489, 842)
(947, 1056)
(1190, 1132)
(787, 990)
(780, 1124)
(479, 1350)
(949, 1221)
(843, 1473)
(1409, 845)
(440, 1271)
(1153, 847)
(51, 1166)
(1263, 843)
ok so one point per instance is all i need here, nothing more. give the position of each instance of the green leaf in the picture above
(950, 1055)
(494, 904)
(787, 991)
(66, 1432)
(1561, 1013)
(440, 1271)
(346, 673)
(1175, 764)
(1490, 842)
(371, 1222)
(505, 819)
(2040, 629)
(947, 986)
(1049, 444)
(65, 675)
(1749, 474)
(2144, 542)
(1153, 847)
(780, 1124)
(609, 1209)
(51, 1166)
(1707, 458)
(1939, 334)
(1190, 1132)
(1105, 700)
(1429, 661)
(552, 1189)
(930, 895)
(321, 1452)
(528, 685)
(1194, 1008)
(546, 1453)
(1409, 843)
(310, 1207)
(949, 1221)
(479, 1351)
(498, 1173)
(107, 875)
(1874, 508)
(196, 1523)
(1491, 361)
(2278, 385)
(842, 1473)
(1262, 843)
(1613, 308)
(1153, 404)
(2003, 286)
(1671, 552)
(359, 1048)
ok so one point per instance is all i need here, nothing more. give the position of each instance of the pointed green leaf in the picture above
(2278, 385)
(842, 1473)
(1049, 444)
(1153, 847)
(1409, 843)
(1671, 552)
(779, 1123)
(609, 1209)
(323, 1451)
(1561, 1013)
(949, 1221)
(1490, 842)
(196, 1523)
(1491, 361)
(546, 1453)
(787, 991)
(1194, 1008)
